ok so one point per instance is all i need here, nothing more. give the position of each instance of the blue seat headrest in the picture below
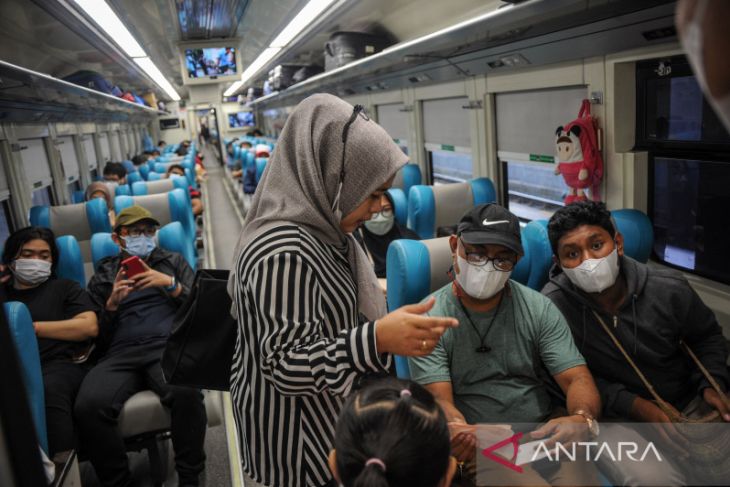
(154, 176)
(400, 205)
(102, 246)
(638, 233)
(26, 344)
(172, 237)
(260, 166)
(134, 177)
(122, 190)
(70, 263)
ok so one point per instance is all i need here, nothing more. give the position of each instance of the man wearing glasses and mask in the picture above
(138, 304)
(490, 369)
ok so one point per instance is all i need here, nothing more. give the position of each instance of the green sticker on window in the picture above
(447, 147)
(542, 158)
(397, 141)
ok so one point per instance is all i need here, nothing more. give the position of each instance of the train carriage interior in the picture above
(177, 106)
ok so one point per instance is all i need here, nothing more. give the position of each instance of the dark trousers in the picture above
(103, 393)
(61, 382)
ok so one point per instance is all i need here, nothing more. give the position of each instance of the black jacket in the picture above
(100, 287)
(660, 309)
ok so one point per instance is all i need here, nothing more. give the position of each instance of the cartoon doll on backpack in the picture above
(578, 157)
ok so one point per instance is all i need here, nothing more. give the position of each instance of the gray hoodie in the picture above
(660, 309)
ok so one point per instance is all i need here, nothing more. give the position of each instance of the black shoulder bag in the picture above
(199, 350)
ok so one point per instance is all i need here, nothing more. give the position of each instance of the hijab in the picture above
(301, 180)
(104, 188)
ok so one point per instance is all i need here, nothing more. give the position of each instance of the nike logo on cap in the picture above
(486, 223)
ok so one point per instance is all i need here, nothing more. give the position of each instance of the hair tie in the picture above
(376, 461)
(405, 393)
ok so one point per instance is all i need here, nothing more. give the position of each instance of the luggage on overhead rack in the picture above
(345, 47)
(305, 72)
(94, 81)
(150, 98)
(281, 76)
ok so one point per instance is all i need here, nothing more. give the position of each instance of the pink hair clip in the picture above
(376, 461)
(405, 393)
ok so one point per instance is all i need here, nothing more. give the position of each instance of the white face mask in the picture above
(379, 224)
(32, 271)
(693, 46)
(595, 275)
(480, 282)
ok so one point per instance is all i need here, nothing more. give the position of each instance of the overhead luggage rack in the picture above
(30, 96)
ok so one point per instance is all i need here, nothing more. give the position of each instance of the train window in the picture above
(394, 119)
(75, 186)
(35, 163)
(94, 174)
(116, 151)
(5, 221)
(449, 167)
(526, 123)
(42, 197)
(688, 205)
(447, 135)
(105, 149)
(91, 158)
(671, 110)
(69, 160)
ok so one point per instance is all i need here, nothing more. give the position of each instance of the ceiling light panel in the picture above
(305, 17)
(105, 18)
(153, 71)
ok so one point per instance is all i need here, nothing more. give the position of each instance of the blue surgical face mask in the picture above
(141, 246)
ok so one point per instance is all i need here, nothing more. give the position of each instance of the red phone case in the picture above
(133, 266)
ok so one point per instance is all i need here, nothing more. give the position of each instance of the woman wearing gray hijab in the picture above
(311, 316)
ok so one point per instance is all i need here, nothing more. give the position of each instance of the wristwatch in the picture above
(171, 288)
(593, 427)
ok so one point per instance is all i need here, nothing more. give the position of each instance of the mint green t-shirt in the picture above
(506, 384)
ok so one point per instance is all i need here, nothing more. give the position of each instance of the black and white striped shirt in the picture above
(299, 350)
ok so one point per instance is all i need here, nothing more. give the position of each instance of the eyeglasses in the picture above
(386, 212)
(478, 259)
(146, 231)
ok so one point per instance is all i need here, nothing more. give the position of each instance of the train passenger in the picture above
(702, 26)
(381, 434)
(135, 320)
(99, 189)
(115, 173)
(141, 159)
(161, 145)
(650, 310)
(64, 318)
(195, 199)
(311, 315)
(377, 233)
(490, 368)
(181, 151)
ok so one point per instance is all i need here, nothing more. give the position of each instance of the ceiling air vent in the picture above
(661, 33)
(419, 78)
(511, 61)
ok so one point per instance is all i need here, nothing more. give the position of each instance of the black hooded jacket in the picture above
(659, 310)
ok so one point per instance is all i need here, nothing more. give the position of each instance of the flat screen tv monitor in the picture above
(210, 62)
(241, 120)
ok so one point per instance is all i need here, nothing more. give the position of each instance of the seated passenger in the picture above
(64, 319)
(101, 190)
(161, 145)
(141, 159)
(181, 151)
(377, 233)
(262, 150)
(650, 310)
(135, 319)
(115, 173)
(197, 203)
(230, 146)
(392, 433)
(490, 368)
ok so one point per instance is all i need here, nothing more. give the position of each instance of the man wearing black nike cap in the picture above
(489, 369)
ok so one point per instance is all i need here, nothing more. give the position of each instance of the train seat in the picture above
(430, 207)
(165, 207)
(154, 176)
(170, 237)
(260, 166)
(122, 190)
(23, 333)
(144, 171)
(162, 167)
(400, 205)
(142, 188)
(78, 196)
(638, 233)
(409, 175)
(129, 166)
(70, 263)
(81, 220)
(133, 177)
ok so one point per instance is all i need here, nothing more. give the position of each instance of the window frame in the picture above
(430, 148)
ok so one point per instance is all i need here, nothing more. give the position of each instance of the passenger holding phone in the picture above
(139, 291)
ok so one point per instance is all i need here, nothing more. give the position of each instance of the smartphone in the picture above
(133, 266)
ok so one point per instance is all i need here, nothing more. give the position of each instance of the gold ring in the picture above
(423, 345)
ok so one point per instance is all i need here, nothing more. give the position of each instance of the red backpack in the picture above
(578, 157)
